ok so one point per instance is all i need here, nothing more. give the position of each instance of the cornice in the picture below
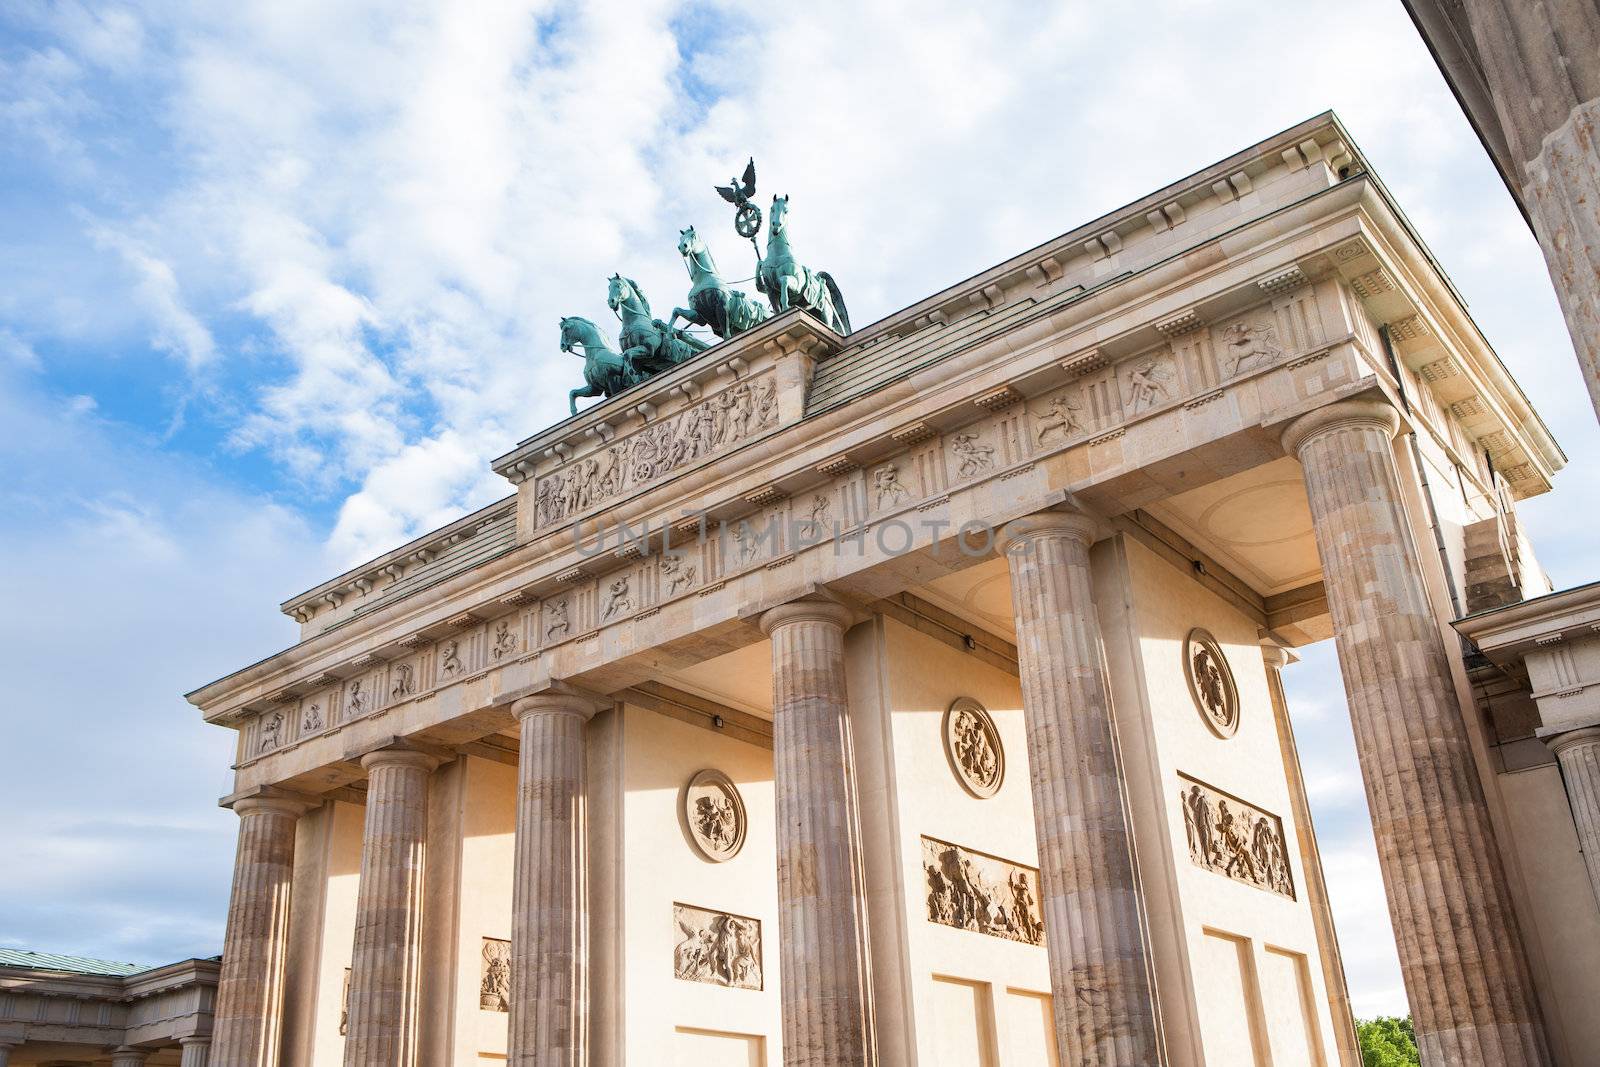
(1506, 633)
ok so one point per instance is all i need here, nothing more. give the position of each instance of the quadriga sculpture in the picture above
(711, 302)
(605, 372)
(789, 283)
(648, 344)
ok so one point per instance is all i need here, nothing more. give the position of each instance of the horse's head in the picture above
(577, 330)
(625, 290)
(689, 243)
(780, 210)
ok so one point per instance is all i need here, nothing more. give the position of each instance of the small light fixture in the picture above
(716, 720)
(1200, 567)
(970, 641)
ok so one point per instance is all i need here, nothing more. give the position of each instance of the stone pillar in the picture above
(1461, 954)
(1540, 62)
(1579, 754)
(1100, 980)
(822, 913)
(128, 1056)
(1315, 887)
(196, 1051)
(5, 1053)
(249, 1015)
(549, 902)
(385, 966)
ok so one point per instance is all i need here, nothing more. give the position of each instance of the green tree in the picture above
(1387, 1041)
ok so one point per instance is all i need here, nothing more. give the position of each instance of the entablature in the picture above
(1120, 391)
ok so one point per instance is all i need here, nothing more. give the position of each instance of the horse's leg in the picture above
(587, 390)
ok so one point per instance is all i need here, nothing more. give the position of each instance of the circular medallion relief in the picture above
(972, 744)
(713, 813)
(1211, 682)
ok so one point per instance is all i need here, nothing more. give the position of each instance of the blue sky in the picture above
(278, 278)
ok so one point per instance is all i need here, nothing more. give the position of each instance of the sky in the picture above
(279, 277)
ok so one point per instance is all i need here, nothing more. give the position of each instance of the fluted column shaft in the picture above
(822, 919)
(1579, 754)
(196, 1052)
(129, 1057)
(385, 967)
(5, 1055)
(249, 1014)
(1472, 1001)
(549, 906)
(1539, 60)
(1316, 886)
(1100, 981)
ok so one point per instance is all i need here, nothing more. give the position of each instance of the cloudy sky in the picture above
(277, 278)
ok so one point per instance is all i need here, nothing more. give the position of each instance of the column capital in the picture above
(1076, 525)
(1277, 656)
(559, 698)
(1583, 735)
(824, 611)
(399, 752)
(269, 800)
(1357, 411)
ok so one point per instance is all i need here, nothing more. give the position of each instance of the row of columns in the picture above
(1465, 971)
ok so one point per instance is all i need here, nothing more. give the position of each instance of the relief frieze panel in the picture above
(974, 891)
(714, 424)
(716, 947)
(494, 985)
(1233, 838)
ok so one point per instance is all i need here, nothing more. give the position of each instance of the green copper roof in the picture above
(49, 961)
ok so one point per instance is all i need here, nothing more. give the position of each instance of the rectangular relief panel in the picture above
(714, 1048)
(963, 1022)
(716, 948)
(1229, 1001)
(1030, 1029)
(975, 891)
(1289, 1003)
(1234, 838)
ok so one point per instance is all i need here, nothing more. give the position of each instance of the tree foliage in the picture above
(1387, 1041)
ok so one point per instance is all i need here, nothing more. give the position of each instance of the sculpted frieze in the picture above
(712, 425)
(973, 455)
(1248, 345)
(985, 894)
(713, 811)
(1061, 418)
(1211, 683)
(504, 641)
(1152, 380)
(972, 745)
(716, 947)
(494, 990)
(1234, 839)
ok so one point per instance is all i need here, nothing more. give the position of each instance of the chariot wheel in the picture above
(747, 221)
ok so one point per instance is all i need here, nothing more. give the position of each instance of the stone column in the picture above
(1579, 754)
(549, 902)
(128, 1056)
(1540, 62)
(1461, 954)
(385, 967)
(249, 1014)
(1315, 887)
(196, 1051)
(5, 1053)
(822, 911)
(1100, 981)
